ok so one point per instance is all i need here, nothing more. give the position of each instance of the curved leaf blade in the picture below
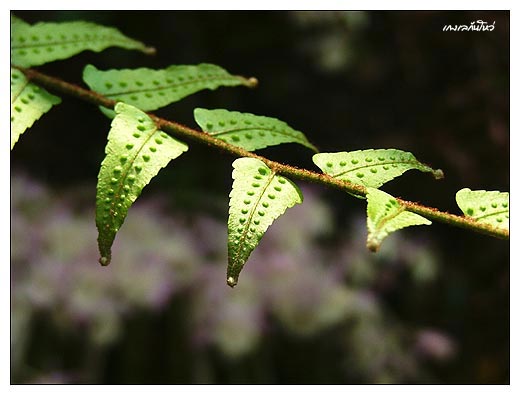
(385, 215)
(257, 198)
(34, 45)
(135, 153)
(248, 131)
(150, 89)
(490, 207)
(28, 103)
(372, 167)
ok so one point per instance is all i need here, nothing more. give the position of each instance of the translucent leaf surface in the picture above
(248, 131)
(17, 23)
(490, 207)
(135, 153)
(33, 45)
(258, 197)
(385, 215)
(150, 89)
(371, 168)
(28, 103)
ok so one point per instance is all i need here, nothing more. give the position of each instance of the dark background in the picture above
(349, 81)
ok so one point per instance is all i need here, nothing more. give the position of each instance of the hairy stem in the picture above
(178, 130)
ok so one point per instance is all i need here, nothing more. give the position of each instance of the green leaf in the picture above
(17, 23)
(28, 103)
(489, 207)
(248, 131)
(372, 167)
(150, 89)
(135, 153)
(385, 215)
(258, 197)
(34, 45)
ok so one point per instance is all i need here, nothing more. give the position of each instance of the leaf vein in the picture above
(250, 217)
(161, 88)
(372, 165)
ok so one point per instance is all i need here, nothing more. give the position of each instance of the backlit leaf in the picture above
(372, 167)
(248, 131)
(43, 42)
(135, 153)
(385, 215)
(490, 207)
(258, 197)
(28, 103)
(150, 89)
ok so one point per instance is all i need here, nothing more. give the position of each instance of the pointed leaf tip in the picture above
(135, 153)
(104, 260)
(257, 198)
(231, 282)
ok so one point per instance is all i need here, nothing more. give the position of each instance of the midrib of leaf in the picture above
(56, 43)
(490, 214)
(373, 165)
(17, 95)
(251, 128)
(386, 218)
(250, 217)
(163, 87)
(130, 163)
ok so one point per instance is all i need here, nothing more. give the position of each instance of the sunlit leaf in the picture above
(28, 103)
(43, 42)
(135, 153)
(385, 215)
(489, 207)
(372, 167)
(248, 131)
(258, 197)
(150, 89)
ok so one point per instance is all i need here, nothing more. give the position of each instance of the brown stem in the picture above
(176, 129)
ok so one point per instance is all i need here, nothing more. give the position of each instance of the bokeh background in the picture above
(313, 305)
